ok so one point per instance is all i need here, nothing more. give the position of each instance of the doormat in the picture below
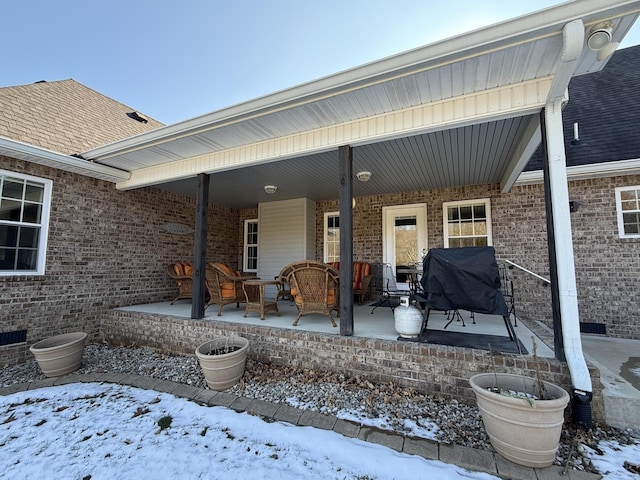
(493, 343)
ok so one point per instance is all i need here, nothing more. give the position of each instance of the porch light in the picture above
(599, 36)
(363, 176)
(270, 189)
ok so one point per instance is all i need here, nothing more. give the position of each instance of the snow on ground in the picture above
(95, 431)
(104, 431)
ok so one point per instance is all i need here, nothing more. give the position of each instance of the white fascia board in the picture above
(525, 28)
(48, 158)
(484, 106)
(582, 172)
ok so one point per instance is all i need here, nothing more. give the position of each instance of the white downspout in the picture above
(573, 42)
(564, 250)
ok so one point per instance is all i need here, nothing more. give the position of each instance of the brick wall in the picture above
(432, 369)
(106, 249)
(607, 267)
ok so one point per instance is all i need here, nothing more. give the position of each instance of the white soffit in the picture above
(489, 74)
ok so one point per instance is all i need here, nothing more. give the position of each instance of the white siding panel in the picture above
(287, 234)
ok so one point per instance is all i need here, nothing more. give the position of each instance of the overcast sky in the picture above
(174, 60)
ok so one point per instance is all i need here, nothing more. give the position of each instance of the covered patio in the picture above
(463, 112)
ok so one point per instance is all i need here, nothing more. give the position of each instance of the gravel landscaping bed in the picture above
(403, 410)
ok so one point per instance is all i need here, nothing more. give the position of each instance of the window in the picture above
(467, 223)
(250, 246)
(628, 207)
(332, 237)
(24, 223)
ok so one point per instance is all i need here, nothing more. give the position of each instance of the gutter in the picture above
(48, 158)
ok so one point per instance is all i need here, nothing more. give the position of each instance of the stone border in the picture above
(464, 457)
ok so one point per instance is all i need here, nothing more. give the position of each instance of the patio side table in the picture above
(256, 301)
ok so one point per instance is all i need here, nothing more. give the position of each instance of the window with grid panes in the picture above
(24, 219)
(467, 223)
(332, 237)
(628, 207)
(250, 263)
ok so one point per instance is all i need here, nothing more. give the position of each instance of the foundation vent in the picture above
(9, 338)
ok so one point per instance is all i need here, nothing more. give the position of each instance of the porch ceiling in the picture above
(458, 112)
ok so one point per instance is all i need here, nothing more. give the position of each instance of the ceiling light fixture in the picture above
(363, 176)
(270, 189)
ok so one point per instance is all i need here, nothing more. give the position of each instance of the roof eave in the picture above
(41, 156)
(524, 28)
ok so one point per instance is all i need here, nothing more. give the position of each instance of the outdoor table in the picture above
(256, 301)
(413, 275)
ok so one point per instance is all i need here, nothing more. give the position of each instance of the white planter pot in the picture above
(524, 434)
(61, 354)
(223, 370)
(408, 319)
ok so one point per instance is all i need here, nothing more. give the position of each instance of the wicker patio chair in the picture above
(224, 286)
(182, 273)
(314, 286)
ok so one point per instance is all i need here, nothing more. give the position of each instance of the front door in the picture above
(404, 239)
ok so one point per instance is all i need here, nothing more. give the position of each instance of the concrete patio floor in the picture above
(379, 324)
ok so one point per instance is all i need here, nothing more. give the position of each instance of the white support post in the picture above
(564, 249)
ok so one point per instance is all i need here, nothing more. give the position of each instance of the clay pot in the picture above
(61, 354)
(222, 360)
(526, 432)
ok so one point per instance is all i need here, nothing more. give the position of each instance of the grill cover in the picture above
(463, 278)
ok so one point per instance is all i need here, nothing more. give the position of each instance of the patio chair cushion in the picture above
(225, 268)
(361, 278)
(360, 271)
(331, 296)
(180, 269)
(227, 290)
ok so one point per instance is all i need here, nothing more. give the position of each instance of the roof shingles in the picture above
(65, 117)
(606, 106)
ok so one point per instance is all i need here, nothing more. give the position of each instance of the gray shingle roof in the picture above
(606, 106)
(65, 117)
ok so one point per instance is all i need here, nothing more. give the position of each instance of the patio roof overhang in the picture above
(462, 111)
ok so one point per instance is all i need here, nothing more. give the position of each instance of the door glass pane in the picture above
(406, 241)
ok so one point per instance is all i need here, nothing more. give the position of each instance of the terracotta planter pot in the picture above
(223, 370)
(523, 433)
(61, 354)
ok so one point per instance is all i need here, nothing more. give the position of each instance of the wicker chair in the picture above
(224, 286)
(314, 286)
(182, 273)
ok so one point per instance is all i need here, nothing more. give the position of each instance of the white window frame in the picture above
(471, 203)
(43, 225)
(327, 241)
(246, 245)
(619, 190)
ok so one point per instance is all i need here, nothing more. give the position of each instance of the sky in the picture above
(108, 431)
(177, 60)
